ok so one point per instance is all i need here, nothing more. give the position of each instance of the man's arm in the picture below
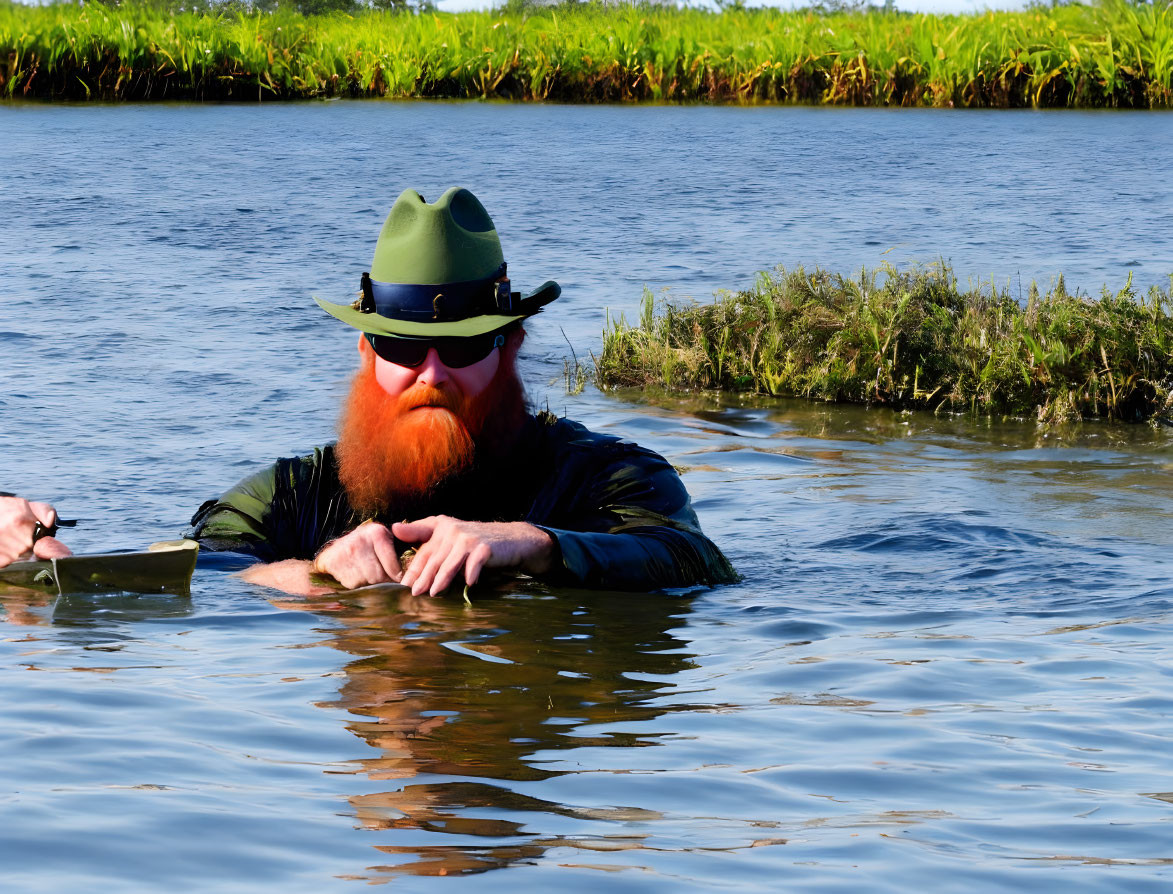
(609, 514)
(632, 527)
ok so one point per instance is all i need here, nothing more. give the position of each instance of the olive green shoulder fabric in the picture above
(621, 516)
(287, 511)
(619, 513)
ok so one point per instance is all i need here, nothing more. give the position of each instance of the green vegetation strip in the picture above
(910, 339)
(1112, 54)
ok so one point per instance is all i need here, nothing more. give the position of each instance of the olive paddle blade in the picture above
(164, 567)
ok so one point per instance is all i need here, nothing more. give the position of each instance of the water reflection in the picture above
(457, 700)
(22, 606)
(762, 416)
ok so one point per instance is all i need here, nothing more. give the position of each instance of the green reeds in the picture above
(1115, 53)
(910, 339)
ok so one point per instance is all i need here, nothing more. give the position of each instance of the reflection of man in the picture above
(26, 530)
(454, 757)
(436, 430)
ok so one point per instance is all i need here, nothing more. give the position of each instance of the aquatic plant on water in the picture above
(1115, 53)
(910, 339)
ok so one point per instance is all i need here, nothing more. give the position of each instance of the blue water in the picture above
(947, 667)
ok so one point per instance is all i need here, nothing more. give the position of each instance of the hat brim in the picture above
(376, 324)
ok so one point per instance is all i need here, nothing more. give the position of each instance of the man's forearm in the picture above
(650, 558)
(290, 575)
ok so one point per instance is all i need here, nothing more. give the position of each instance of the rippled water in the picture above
(947, 668)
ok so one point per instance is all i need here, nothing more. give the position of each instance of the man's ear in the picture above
(366, 354)
(514, 340)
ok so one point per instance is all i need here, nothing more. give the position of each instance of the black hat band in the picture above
(444, 303)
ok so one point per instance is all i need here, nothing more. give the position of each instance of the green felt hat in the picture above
(438, 271)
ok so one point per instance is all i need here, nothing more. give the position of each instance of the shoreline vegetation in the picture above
(909, 339)
(1113, 54)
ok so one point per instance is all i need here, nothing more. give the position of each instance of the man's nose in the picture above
(432, 371)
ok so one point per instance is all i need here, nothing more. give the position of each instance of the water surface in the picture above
(947, 666)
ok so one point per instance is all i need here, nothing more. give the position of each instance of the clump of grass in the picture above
(1112, 53)
(575, 376)
(910, 339)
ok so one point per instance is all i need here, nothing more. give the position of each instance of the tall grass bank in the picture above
(911, 339)
(1111, 54)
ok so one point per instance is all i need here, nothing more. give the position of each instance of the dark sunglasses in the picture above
(455, 352)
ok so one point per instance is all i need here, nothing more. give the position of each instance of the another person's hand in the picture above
(365, 556)
(450, 546)
(18, 522)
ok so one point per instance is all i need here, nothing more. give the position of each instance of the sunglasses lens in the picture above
(460, 352)
(455, 353)
(400, 351)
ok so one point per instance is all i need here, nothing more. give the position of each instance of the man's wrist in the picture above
(542, 557)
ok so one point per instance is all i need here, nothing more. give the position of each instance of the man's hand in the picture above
(451, 546)
(18, 521)
(364, 556)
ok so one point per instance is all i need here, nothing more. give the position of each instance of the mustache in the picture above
(418, 396)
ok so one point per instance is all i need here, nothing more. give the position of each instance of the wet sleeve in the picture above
(632, 527)
(238, 520)
(287, 511)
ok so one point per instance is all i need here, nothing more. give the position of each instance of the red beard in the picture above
(393, 453)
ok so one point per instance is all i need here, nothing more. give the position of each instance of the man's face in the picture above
(405, 430)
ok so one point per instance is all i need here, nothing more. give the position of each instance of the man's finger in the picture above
(421, 573)
(447, 572)
(367, 569)
(359, 573)
(419, 562)
(476, 561)
(51, 548)
(384, 546)
(45, 513)
(432, 562)
(415, 532)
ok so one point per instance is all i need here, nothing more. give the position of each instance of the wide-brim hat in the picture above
(438, 271)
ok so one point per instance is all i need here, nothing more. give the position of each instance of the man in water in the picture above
(436, 430)
(26, 531)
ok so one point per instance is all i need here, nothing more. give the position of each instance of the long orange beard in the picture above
(395, 452)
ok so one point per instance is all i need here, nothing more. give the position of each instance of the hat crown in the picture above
(451, 244)
(451, 240)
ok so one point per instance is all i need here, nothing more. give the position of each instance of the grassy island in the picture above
(910, 339)
(1115, 53)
